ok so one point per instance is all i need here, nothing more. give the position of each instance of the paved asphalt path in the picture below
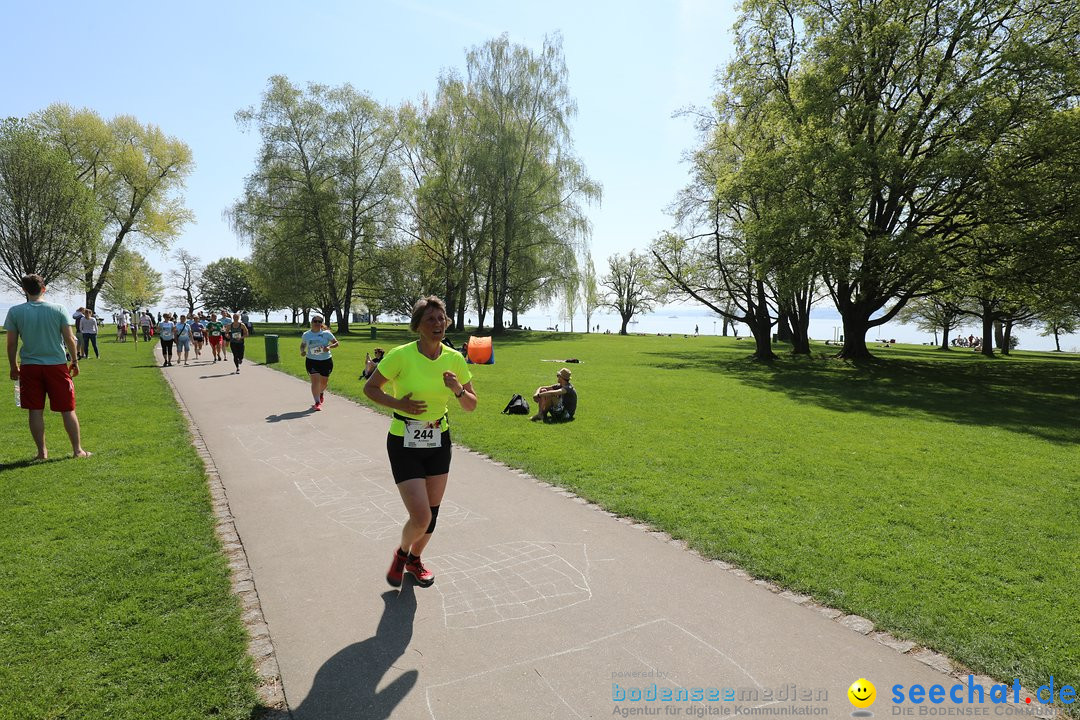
(543, 606)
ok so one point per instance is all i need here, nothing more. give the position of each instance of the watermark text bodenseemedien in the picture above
(677, 693)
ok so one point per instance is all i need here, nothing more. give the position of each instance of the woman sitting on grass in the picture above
(371, 363)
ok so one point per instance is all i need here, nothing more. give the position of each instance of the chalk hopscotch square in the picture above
(510, 581)
(574, 681)
(382, 518)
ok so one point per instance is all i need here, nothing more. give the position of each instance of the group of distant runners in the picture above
(183, 334)
(424, 377)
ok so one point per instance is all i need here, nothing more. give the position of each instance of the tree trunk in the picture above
(307, 316)
(1057, 339)
(988, 331)
(343, 319)
(783, 328)
(1006, 338)
(945, 336)
(999, 336)
(855, 338)
(625, 322)
(450, 296)
(800, 337)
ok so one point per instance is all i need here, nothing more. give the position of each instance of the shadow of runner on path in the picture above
(345, 685)
(290, 416)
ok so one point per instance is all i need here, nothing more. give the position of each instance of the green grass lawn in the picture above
(936, 493)
(114, 592)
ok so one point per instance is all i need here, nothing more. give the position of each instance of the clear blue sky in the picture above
(188, 67)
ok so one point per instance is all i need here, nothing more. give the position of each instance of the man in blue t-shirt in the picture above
(44, 370)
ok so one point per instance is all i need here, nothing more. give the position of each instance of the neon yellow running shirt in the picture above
(410, 371)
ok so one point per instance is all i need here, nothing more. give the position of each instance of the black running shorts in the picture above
(408, 463)
(319, 367)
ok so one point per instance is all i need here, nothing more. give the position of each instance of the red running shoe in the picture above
(423, 576)
(321, 398)
(397, 566)
(318, 406)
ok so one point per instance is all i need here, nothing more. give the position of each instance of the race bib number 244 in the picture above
(419, 434)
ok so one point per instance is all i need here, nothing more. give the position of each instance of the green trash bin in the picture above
(271, 349)
(373, 332)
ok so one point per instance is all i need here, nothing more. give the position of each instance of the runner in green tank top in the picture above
(426, 377)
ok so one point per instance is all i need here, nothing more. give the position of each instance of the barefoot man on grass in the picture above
(44, 331)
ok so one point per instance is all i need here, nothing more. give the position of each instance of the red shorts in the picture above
(37, 381)
(215, 340)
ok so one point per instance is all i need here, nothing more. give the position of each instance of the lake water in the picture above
(825, 324)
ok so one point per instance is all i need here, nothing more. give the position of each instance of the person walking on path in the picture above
(236, 332)
(315, 346)
(425, 374)
(44, 331)
(89, 329)
(183, 339)
(167, 332)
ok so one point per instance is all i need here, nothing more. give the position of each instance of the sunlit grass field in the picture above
(114, 592)
(936, 493)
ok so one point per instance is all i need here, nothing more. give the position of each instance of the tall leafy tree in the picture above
(894, 110)
(941, 311)
(328, 171)
(229, 284)
(185, 272)
(132, 283)
(728, 256)
(449, 218)
(1058, 320)
(46, 214)
(570, 296)
(528, 174)
(135, 172)
(591, 298)
(631, 288)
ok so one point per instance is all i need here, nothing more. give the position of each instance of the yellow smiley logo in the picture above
(862, 693)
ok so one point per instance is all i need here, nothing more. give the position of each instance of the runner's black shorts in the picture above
(319, 367)
(408, 463)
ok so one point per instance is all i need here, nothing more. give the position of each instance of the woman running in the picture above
(315, 346)
(216, 332)
(226, 318)
(425, 374)
(167, 333)
(198, 335)
(236, 332)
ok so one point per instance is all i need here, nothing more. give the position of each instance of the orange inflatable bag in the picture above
(479, 351)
